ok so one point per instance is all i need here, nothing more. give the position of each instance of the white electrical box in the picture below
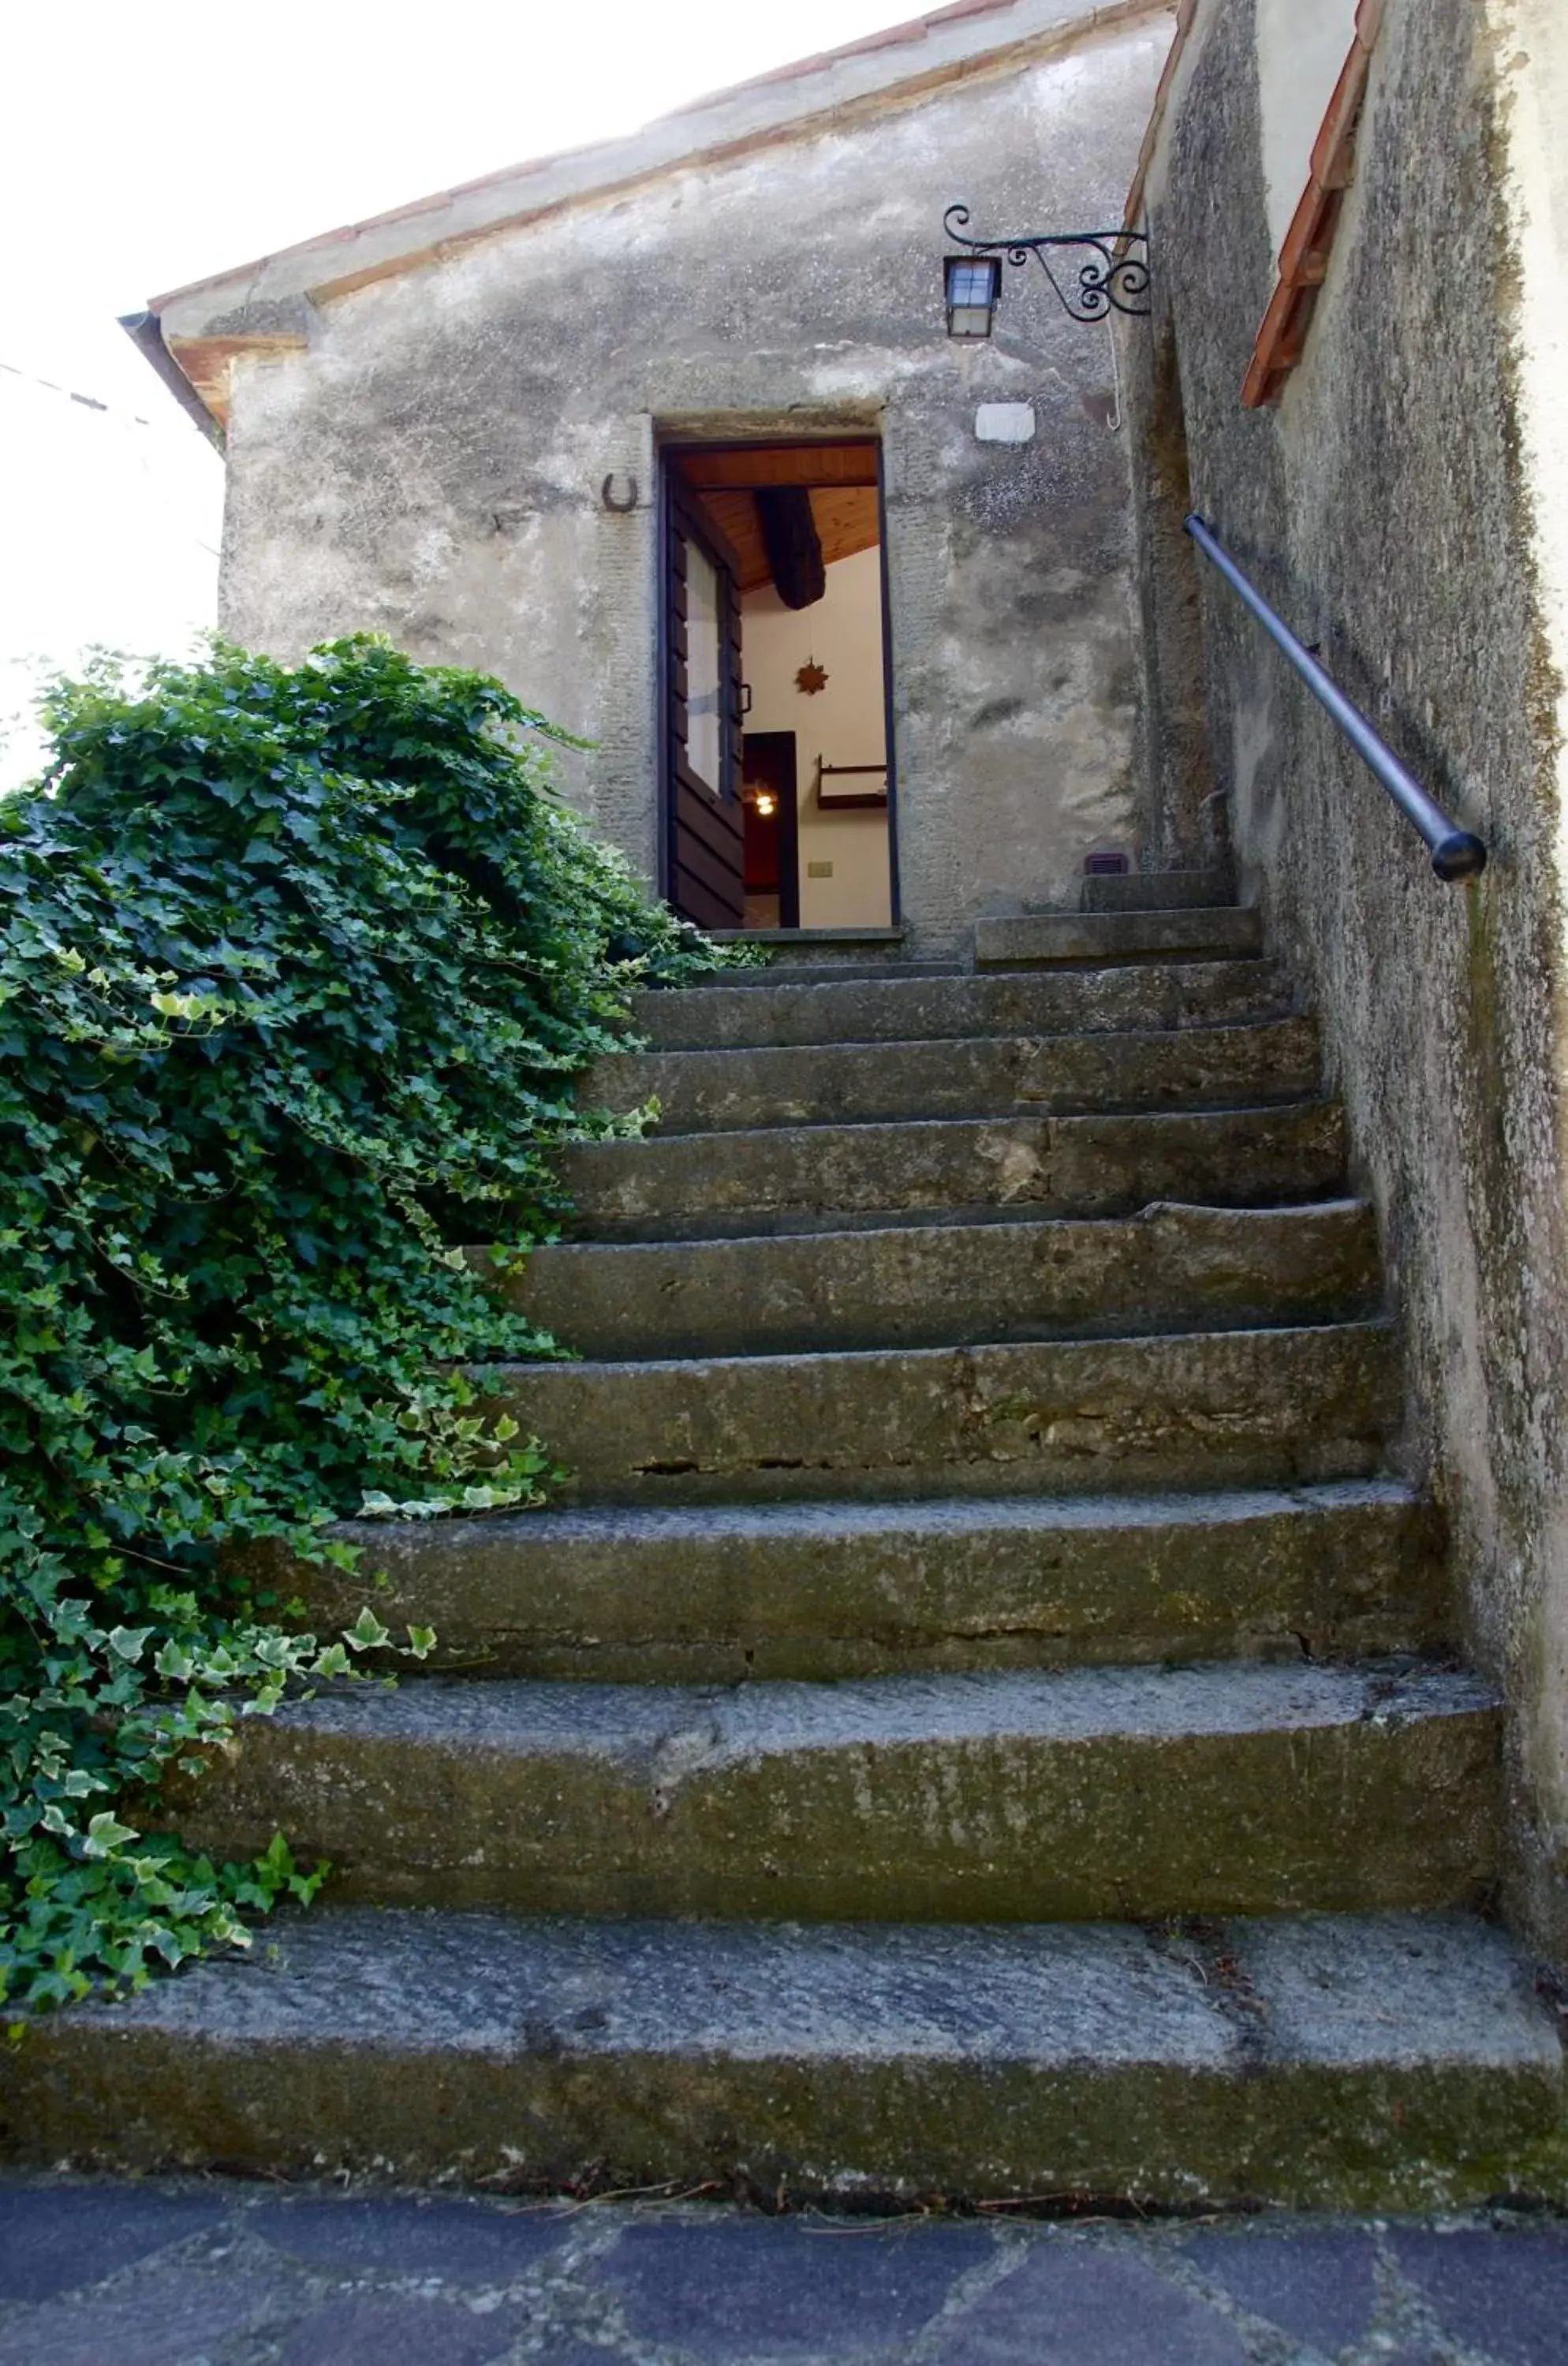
(1004, 422)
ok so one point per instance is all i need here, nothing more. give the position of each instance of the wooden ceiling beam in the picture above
(846, 517)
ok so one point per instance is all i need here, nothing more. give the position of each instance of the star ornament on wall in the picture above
(811, 678)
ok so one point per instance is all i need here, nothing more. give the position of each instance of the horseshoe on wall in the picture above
(606, 495)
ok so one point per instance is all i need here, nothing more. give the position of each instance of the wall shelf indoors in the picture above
(835, 793)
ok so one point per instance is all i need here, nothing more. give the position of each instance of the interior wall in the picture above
(1404, 509)
(844, 723)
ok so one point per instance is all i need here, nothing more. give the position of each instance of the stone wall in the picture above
(431, 464)
(1404, 508)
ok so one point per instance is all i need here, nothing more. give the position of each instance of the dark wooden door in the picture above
(772, 840)
(705, 832)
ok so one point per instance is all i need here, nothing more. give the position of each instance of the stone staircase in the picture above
(980, 1725)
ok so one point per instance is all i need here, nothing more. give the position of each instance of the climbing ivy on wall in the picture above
(297, 967)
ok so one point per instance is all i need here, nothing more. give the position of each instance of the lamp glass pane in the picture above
(969, 283)
(971, 287)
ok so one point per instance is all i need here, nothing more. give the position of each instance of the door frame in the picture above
(888, 746)
(666, 450)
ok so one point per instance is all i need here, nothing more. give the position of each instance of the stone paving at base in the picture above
(187, 2273)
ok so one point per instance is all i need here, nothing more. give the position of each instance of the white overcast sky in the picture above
(148, 143)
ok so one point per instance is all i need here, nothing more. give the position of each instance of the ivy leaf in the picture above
(366, 1634)
(105, 1832)
(298, 965)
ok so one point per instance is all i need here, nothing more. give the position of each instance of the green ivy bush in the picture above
(297, 967)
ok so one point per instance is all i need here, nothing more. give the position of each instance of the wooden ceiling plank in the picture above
(851, 464)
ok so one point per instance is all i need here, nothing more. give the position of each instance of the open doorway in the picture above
(778, 785)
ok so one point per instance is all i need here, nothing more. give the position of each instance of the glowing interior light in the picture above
(766, 802)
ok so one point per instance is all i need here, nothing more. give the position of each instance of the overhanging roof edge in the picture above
(145, 330)
(525, 192)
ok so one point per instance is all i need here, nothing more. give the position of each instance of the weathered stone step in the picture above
(1089, 937)
(1157, 891)
(822, 949)
(1169, 1268)
(908, 1005)
(1197, 1409)
(780, 971)
(1375, 2062)
(1202, 1067)
(1020, 1796)
(828, 1178)
(715, 1593)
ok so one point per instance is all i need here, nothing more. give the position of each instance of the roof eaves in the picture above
(146, 333)
(892, 37)
(1068, 23)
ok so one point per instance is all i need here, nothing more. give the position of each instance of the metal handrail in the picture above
(1456, 853)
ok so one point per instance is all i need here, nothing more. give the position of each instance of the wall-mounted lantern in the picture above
(1113, 279)
(972, 284)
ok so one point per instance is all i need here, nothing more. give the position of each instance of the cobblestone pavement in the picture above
(187, 2272)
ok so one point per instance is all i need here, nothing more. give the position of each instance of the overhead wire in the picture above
(84, 401)
(91, 402)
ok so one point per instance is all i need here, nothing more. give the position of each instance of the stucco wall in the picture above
(431, 464)
(1404, 508)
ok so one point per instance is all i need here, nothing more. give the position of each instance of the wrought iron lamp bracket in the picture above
(1114, 277)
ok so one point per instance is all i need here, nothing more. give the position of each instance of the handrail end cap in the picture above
(1461, 855)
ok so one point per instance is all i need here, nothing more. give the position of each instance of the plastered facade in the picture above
(1404, 509)
(430, 460)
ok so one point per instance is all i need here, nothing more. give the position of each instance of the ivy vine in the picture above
(298, 965)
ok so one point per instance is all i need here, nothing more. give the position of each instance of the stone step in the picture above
(1157, 891)
(1197, 1409)
(778, 971)
(731, 1015)
(1365, 2062)
(1094, 937)
(837, 1178)
(1017, 1795)
(823, 1084)
(715, 1593)
(861, 948)
(1167, 1269)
